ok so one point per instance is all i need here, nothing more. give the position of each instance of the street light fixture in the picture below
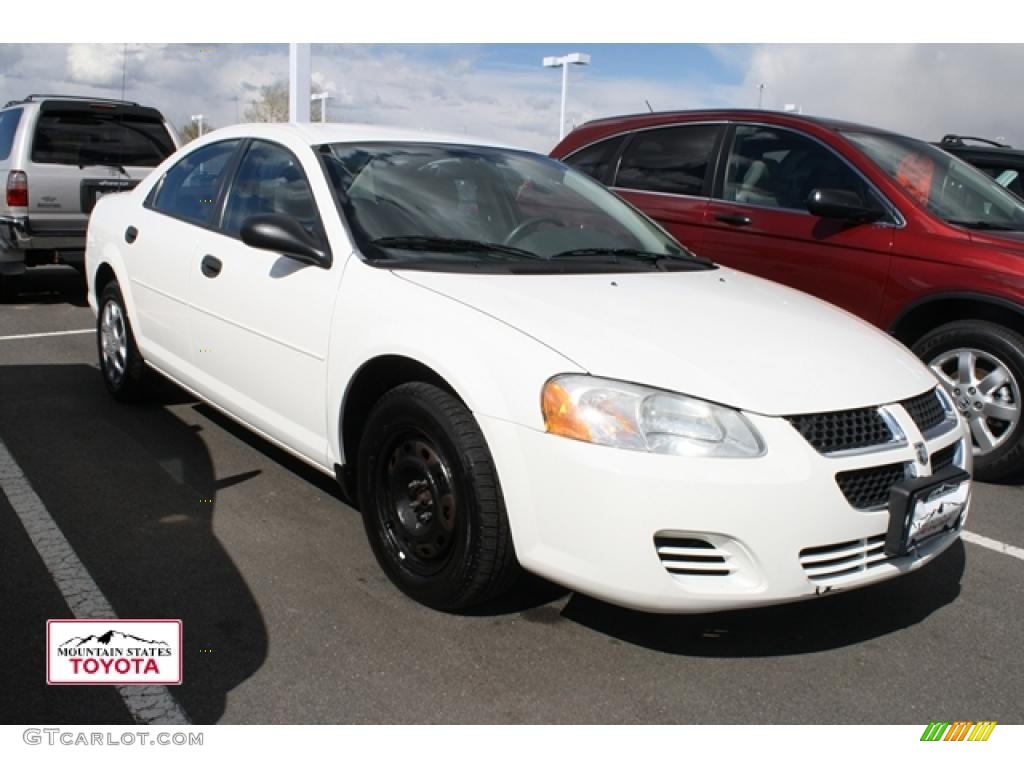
(198, 120)
(564, 62)
(322, 98)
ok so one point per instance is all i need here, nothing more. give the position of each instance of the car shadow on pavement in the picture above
(133, 489)
(818, 624)
(50, 285)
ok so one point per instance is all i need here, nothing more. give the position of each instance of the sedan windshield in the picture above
(443, 206)
(946, 186)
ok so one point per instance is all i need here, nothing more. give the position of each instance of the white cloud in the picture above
(923, 90)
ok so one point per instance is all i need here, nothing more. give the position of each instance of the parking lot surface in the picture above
(176, 512)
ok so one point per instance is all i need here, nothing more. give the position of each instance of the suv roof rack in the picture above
(40, 96)
(956, 140)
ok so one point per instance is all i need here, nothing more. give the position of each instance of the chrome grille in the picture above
(843, 430)
(822, 564)
(692, 557)
(869, 488)
(926, 410)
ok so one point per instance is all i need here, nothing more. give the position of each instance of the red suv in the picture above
(890, 228)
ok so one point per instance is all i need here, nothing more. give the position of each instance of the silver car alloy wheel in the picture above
(985, 392)
(114, 341)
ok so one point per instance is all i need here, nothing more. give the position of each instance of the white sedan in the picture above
(507, 366)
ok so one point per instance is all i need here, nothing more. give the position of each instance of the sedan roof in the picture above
(315, 134)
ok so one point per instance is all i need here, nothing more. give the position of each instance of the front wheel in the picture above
(431, 501)
(981, 367)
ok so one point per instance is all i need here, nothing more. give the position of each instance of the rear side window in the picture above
(596, 160)
(190, 187)
(76, 137)
(8, 126)
(674, 160)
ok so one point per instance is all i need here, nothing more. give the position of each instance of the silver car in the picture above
(58, 155)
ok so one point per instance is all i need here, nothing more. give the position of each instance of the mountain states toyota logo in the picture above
(113, 652)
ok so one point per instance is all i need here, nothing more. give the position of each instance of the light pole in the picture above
(198, 120)
(322, 98)
(564, 62)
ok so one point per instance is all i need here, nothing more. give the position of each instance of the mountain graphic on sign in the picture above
(109, 639)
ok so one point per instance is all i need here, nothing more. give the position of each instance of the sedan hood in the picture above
(719, 335)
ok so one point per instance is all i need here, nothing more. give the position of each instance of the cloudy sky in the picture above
(500, 91)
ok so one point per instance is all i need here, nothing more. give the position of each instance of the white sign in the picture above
(113, 652)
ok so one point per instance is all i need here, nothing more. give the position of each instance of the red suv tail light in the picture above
(17, 189)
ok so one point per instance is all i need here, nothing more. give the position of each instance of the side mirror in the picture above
(841, 204)
(283, 234)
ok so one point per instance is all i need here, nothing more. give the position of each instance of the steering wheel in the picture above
(526, 226)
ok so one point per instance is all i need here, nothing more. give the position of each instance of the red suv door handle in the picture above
(736, 219)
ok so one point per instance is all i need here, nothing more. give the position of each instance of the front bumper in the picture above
(749, 532)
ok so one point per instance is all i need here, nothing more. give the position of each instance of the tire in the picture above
(981, 365)
(124, 371)
(431, 501)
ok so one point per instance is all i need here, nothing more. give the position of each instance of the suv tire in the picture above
(981, 365)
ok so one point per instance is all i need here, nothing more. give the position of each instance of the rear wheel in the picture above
(431, 501)
(124, 371)
(981, 366)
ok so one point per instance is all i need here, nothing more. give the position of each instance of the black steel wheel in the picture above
(431, 501)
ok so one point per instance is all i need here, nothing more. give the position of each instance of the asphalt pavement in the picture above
(177, 512)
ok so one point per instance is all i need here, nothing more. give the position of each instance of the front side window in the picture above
(190, 187)
(270, 180)
(77, 137)
(674, 160)
(421, 205)
(951, 189)
(778, 168)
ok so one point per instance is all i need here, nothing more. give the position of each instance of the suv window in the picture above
(674, 160)
(270, 180)
(595, 160)
(77, 137)
(8, 126)
(190, 187)
(778, 168)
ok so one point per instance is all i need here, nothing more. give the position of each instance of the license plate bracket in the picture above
(923, 507)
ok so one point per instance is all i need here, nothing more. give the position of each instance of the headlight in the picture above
(621, 415)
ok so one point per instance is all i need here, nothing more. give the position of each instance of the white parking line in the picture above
(51, 333)
(998, 546)
(148, 704)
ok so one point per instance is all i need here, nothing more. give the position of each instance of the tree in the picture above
(190, 130)
(272, 106)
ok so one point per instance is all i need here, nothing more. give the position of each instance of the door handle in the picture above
(211, 265)
(736, 219)
(130, 234)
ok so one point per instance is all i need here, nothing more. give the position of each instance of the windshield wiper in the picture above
(119, 168)
(451, 245)
(659, 260)
(983, 225)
